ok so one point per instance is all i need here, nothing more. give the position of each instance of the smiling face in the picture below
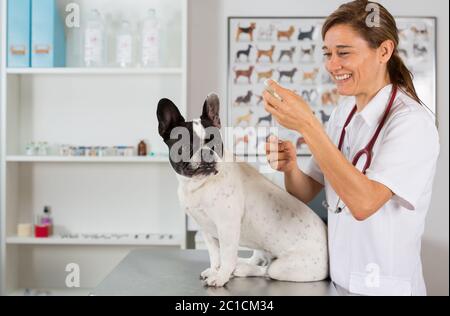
(355, 67)
(194, 147)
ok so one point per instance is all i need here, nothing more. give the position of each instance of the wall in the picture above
(1, 63)
(208, 69)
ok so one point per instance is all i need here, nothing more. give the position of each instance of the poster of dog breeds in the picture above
(289, 50)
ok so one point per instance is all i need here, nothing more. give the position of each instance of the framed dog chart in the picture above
(288, 50)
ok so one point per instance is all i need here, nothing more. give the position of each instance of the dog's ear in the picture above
(211, 109)
(168, 117)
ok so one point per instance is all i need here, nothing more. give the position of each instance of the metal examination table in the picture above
(175, 272)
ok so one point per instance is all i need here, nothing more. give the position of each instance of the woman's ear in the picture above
(386, 50)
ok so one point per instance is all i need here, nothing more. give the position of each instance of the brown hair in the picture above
(354, 14)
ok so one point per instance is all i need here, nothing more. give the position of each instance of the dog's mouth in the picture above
(201, 169)
(206, 169)
(197, 165)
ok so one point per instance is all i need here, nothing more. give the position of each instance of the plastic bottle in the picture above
(94, 40)
(150, 40)
(124, 45)
(46, 220)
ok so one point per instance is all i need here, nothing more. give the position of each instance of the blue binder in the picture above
(48, 41)
(19, 33)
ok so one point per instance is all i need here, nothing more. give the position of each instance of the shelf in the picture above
(52, 292)
(134, 159)
(154, 241)
(88, 104)
(94, 71)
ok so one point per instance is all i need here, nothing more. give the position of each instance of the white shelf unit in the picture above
(175, 241)
(112, 159)
(88, 107)
(95, 71)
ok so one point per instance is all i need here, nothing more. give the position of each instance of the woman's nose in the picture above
(333, 64)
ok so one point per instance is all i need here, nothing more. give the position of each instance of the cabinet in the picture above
(102, 206)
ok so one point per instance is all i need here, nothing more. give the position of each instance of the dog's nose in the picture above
(207, 154)
(207, 151)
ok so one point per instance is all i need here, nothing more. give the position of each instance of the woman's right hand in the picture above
(281, 155)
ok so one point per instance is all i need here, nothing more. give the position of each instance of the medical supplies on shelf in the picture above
(132, 46)
(67, 150)
(116, 236)
(36, 38)
(150, 40)
(94, 48)
(24, 230)
(43, 227)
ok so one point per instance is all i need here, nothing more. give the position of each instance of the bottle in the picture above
(46, 220)
(150, 40)
(142, 148)
(94, 40)
(124, 45)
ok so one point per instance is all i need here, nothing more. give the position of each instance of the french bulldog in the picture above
(234, 205)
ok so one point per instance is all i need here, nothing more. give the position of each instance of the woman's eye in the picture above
(327, 54)
(343, 53)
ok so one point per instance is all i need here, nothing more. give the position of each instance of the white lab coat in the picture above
(381, 255)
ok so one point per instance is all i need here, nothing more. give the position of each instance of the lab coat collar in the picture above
(374, 110)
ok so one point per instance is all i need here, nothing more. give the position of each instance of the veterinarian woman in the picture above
(377, 208)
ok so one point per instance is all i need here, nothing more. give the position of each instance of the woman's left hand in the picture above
(292, 113)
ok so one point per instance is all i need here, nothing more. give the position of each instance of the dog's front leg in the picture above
(229, 242)
(214, 256)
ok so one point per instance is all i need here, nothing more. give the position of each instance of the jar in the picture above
(121, 150)
(101, 151)
(129, 151)
(111, 151)
(42, 149)
(30, 149)
(67, 150)
(80, 151)
(93, 151)
(72, 151)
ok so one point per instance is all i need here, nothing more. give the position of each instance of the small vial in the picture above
(271, 91)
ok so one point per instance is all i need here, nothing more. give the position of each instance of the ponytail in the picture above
(401, 76)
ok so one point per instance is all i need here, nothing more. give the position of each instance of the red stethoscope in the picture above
(367, 151)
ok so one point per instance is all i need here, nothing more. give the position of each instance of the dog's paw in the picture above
(241, 270)
(217, 280)
(244, 269)
(207, 273)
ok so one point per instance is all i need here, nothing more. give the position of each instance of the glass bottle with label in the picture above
(94, 40)
(150, 40)
(124, 45)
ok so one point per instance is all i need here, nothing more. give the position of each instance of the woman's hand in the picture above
(292, 113)
(281, 155)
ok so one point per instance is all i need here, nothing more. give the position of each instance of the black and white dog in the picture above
(237, 206)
